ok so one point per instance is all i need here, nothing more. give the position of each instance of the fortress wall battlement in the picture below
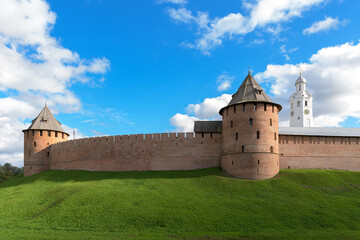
(319, 152)
(139, 152)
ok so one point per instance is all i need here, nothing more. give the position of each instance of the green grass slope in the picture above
(201, 204)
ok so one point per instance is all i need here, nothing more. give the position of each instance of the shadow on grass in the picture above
(86, 176)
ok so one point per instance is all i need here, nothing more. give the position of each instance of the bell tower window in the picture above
(250, 121)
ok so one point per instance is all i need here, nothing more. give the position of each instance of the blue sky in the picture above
(110, 67)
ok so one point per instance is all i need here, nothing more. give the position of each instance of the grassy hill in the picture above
(201, 204)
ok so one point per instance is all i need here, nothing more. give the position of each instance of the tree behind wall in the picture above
(8, 171)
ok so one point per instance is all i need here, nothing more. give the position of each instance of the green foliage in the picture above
(8, 171)
(201, 204)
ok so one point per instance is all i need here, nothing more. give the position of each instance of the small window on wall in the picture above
(34, 144)
(275, 136)
(306, 103)
(232, 162)
(298, 103)
(244, 107)
(202, 135)
(40, 132)
(258, 134)
(56, 134)
(62, 135)
(48, 154)
(237, 136)
(270, 121)
(273, 108)
(234, 108)
(250, 121)
(33, 132)
(49, 133)
(242, 148)
(255, 107)
(258, 162)
(265, 107)
(231, 124)
(271, 149)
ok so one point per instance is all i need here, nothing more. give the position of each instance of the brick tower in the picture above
(250, 130)
(44, 131)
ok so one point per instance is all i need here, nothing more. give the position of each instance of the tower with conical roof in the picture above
(44, 131)
(301, 105)
(250, 130)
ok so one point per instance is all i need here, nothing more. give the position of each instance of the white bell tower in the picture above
(301, 114)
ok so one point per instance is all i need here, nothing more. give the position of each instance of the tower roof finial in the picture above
(250, 70)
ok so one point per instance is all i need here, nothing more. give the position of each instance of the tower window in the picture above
(298, 103)
(202, 135)
(210, 135)
(273, 108)
(255, 107)
(306, 103)
(231, 124)
(292, 105)
(299, 87)
(258, 134)
(271, 149)
(244, 107)
(56, 134)
(237, 136)
(33, 132)
(275, 136)
(49, 133)
(265, 107)
(232, 162)
(270, 121)
(242, 148)
(258, 162)
(34, 144)
(62, 135)
(250, 121)
(48, 154)
(298, 118)
(40, 132)
(234, 108)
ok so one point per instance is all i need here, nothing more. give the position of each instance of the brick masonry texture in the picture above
(187, 151)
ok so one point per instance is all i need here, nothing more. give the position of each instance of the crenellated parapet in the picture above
(139, 152)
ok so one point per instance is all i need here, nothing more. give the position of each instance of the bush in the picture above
(8, 171)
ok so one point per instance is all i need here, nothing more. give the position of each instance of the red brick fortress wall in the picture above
(37, 149)
(182, 151)
(250, 140)
(319, 152)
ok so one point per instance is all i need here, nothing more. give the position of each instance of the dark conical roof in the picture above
(250, 91)
(46, 121)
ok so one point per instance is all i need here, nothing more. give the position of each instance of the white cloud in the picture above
(172, 1)
(181, 15)
(16, 159)
(263, 13)
(183, 122)
(207, 110)
(323, 25)
(332, 74)
(36, 69)
(224, 81)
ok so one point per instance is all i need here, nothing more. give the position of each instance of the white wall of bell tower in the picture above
(301, 111)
